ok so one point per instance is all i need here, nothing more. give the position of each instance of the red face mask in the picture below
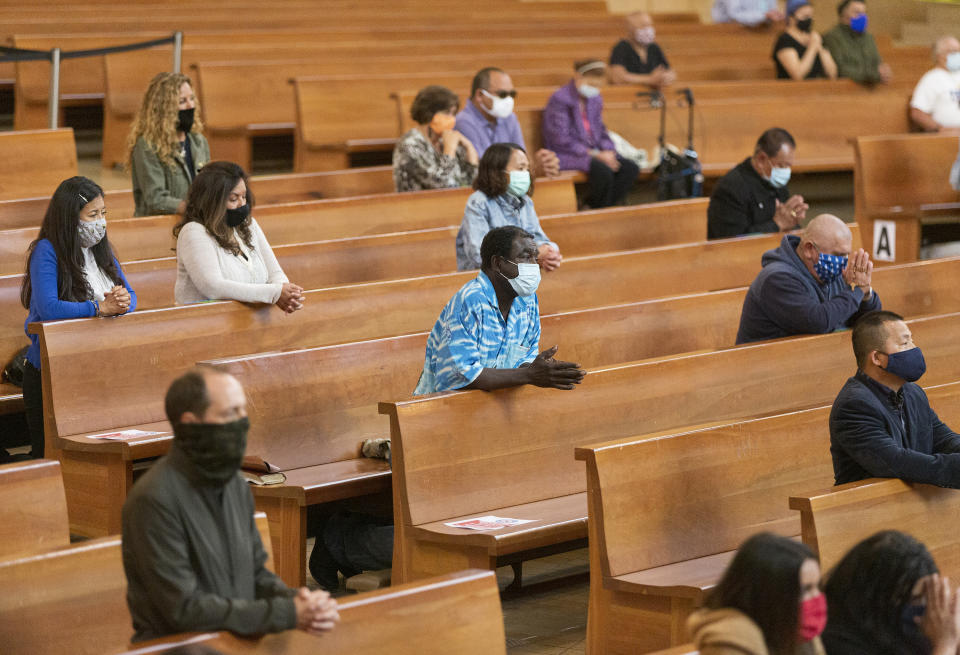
(813, 617)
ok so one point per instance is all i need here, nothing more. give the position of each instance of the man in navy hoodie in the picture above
(811, 284)
(881, 424)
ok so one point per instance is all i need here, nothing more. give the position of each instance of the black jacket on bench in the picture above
(878, 433)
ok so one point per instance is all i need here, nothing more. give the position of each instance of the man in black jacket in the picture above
(753, 196)
(881, 424)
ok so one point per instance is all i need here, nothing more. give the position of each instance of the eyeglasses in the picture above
(512, 93)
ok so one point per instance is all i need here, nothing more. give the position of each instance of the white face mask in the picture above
(644, 35)
(588, 90)
(526, 283)
(953, 62)
(501, 108)
(92, 232)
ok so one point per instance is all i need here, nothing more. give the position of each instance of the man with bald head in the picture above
(936, 99)
(637, 59)
(811, 284)
(191, 550)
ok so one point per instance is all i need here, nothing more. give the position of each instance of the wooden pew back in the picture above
(484, 471)
(35, 162)
(33, 516)
(72, 601)
(468, 601)
(903, 171)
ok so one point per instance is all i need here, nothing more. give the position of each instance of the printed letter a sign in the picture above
(884, 241)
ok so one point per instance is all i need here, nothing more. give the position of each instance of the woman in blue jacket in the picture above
(71, 273)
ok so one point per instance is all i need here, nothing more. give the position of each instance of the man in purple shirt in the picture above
(488, 118)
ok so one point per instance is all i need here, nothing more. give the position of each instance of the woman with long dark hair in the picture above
(767, 603)
(886, 597)
(222, 254)
(71, 273)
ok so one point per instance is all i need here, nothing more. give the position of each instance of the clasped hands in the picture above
(116, 301)
(316, 611)
(859, 271)
(291, 297)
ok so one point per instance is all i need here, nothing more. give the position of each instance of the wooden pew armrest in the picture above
(323, 483)
(555, 520)
(845, 494)
(133, 449)
(689, 579)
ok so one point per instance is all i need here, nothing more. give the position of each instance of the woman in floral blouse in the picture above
(433, 155)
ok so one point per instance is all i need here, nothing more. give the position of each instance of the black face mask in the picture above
(214, 449)
(235, 217)
(185, 120)
(805, 25)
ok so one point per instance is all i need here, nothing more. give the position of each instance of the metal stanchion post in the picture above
(54, 102)
(177, 50)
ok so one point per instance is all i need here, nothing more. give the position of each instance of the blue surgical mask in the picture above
(859, 23)
(519, 183)
(588, 90)
(779, 176)
(908, 365)
(527, 281)
(953, 62)
(829, 267)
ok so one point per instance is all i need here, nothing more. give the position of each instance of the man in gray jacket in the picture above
(191, 550)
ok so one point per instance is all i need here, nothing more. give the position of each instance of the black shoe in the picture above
(322, 566)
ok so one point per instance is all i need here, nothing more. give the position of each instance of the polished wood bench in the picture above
(640, 569)
(72, 601)
(35, 162)
(903, 180)
(468, 602)
(12, 338)
(270, 190)
(150, 237)
(616, 402)
(33, 515)
(222, 329)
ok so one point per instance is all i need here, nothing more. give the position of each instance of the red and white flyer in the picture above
(488, 523)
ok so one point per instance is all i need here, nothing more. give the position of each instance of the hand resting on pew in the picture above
(316, 611)
(544, 371)
(115, 302)
(291, 297)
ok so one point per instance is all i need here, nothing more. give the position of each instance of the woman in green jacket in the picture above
(166, 146)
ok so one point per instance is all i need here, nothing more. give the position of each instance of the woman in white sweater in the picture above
(222, 253)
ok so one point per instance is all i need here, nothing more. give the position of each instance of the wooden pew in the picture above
(312, 424)
(72, 601)
(426, 252)
(630, 399)
(33, 515)
(903, 180)
(12, 339)
(332, 315)
(647, 578)
(468, 602)
(151, 237)
(270, 190)
(34, 162)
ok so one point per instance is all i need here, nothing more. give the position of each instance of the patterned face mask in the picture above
(829, 267)
(92, 232)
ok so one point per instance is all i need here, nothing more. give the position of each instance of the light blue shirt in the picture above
(471, 335)
(745, 12)
(483, 213)
(473, 124)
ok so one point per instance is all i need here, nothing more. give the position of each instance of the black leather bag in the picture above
(13, 371)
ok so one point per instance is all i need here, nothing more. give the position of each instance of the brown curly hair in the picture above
(157, 118)
(432, 99)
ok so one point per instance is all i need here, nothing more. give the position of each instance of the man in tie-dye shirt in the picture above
(488, 335)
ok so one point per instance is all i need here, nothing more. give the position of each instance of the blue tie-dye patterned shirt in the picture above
(471, 335)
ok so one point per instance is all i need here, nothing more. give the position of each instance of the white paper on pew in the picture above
(488, 523)
(124, 435)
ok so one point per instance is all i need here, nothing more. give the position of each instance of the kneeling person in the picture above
(191, 550)
(488, 335)
(881, 424)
